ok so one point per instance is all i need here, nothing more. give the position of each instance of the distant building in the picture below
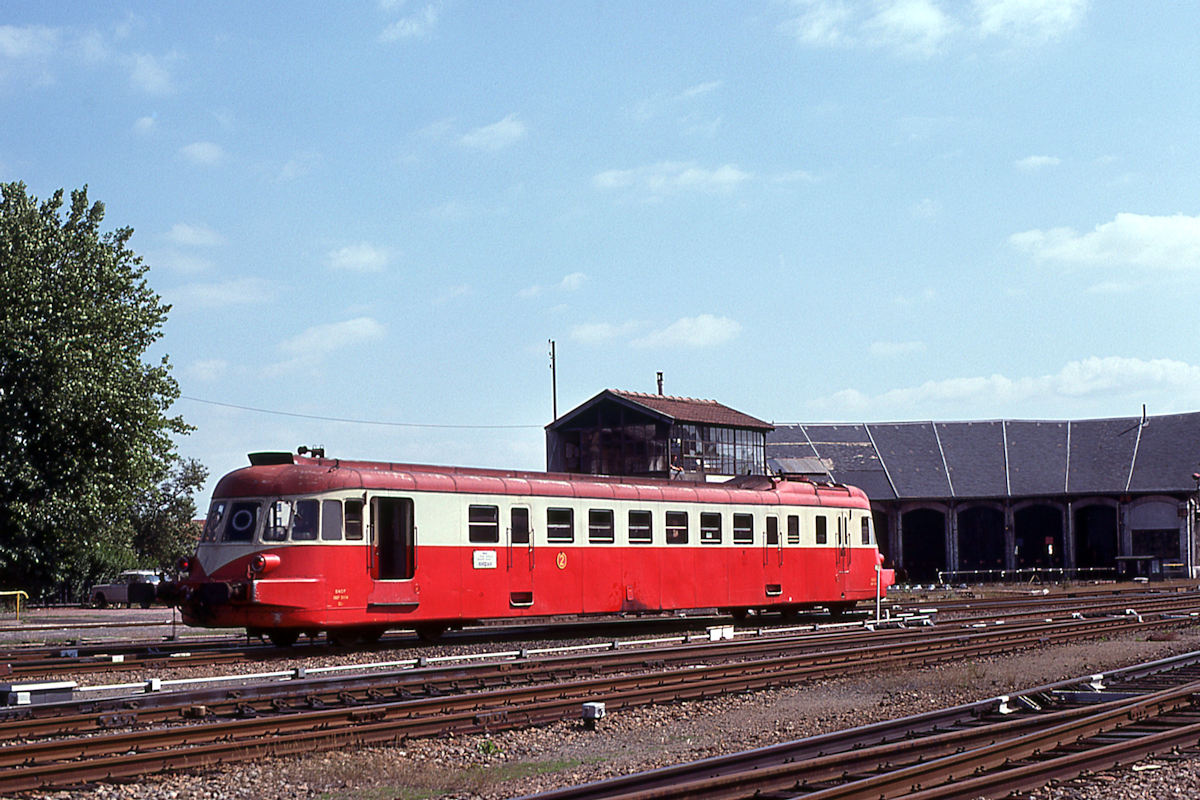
(960, 500)
(655, 435)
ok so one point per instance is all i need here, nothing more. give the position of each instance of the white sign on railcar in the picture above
(483, 559)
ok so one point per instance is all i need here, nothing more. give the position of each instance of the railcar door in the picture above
(772, 560)
(520, 558)
(842, 557)
(393, 554)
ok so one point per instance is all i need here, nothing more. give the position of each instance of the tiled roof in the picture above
(689, 409)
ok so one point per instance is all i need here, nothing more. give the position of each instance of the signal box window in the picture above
(560, 525)
(773, 531)
(243, 521)
(520, 525)
(710, 528)
(822, 537)
(483, 524)
(354, 520)
(677, 525)
(743, 529)
(600, 526)
(640, 527)
(331, 520)
(793, 529)
(304, 521)
(866, 530)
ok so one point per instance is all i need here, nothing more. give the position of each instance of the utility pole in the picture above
(553, 381)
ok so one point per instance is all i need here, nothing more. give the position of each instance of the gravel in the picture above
(510, 763)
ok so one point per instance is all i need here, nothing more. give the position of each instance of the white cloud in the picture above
(361, 257)
(1033, 163)
(145, 125)
(896, 349)
(911, 27)
(183, 263)
(705, 330)
(821, 23)
(187, 235)
(1163, 243)
(602, 332)
(496, 136)
(237, 292)
(207, 370)
(28, 41)
(413, 26)
(1029, 20)
(572, 282)
(672, 177)
(321, 340)
(203, 153)
(148, 74)
(700, 89)
(1105, 380)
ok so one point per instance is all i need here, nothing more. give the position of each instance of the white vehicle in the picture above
(132, 587)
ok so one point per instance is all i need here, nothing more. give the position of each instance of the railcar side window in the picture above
(520, 525)
(304, 521)
(773, 531)
(600, 526)
(866, 530)
(641, 529)
(331, 520)
(743, 529)
(677, 527)
(710, 527)
(793, 529)
(821, 535)
(484, 524)
(243, 521)
(560, 524)
(354, 520)
(216, 515)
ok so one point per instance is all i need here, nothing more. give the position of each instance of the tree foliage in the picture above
(85, 419)
(163, 519)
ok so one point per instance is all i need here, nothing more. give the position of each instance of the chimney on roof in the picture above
(660, 384)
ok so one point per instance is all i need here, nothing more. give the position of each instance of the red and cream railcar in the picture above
(300, 545)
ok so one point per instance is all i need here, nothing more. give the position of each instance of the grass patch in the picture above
(407, 781)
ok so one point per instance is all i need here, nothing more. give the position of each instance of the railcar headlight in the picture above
(262, 563)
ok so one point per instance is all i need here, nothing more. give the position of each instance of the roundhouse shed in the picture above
(956, 501)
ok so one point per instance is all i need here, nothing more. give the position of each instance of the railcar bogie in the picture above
(352, 548)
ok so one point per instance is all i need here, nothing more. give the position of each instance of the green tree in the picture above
(163, 528)
(84, 417)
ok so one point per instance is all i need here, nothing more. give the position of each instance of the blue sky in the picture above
(810, 211)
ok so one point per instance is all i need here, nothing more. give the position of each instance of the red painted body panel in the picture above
(318, 585)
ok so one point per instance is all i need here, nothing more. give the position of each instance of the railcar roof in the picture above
(310, 475)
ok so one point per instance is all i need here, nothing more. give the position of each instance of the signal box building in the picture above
(967, 500)
(656, 435)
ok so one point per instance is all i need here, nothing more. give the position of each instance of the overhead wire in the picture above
(351, 420)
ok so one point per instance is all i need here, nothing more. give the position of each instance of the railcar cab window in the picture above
(331, 520)
(866, 530)
(822, 537)
(305, 521)
(600, 526)
(641, 529)
(484, 524)
(710, 527)
(243, 522)
(560, 524)
(677, 527)
(212, 525)
(279, 514)
(743, 529)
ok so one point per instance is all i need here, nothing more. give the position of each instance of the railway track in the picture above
(65, 744)
(985, 749)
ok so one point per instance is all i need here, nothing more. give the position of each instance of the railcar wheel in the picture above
(372, 635)
(283, 638)
(430, 633)
(343, 637)
(839, 610)
(739, 614)
(101, 601)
